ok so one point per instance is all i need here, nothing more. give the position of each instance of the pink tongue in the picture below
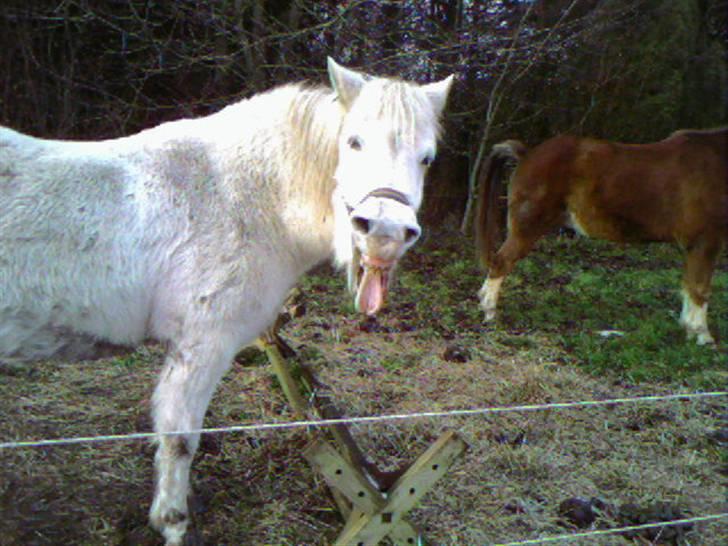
(371, 291)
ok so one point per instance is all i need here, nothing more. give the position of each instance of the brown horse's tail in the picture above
(490, 219)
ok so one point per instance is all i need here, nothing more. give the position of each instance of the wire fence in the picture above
(618, 530)
(366, 420)
(375, 419)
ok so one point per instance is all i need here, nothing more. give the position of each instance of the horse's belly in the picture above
(596, 227)
(587, 214)
(68, 309)
(32, 341)
(612, 227)
(574, 223)
(41, 332)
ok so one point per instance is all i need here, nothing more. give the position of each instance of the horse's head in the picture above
(387, 140)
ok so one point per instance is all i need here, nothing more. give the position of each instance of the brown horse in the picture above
(675, 190)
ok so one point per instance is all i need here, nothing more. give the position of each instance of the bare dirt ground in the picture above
(642, 461)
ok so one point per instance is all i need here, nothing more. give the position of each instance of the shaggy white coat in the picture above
(193, 232)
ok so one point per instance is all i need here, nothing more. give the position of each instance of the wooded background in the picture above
(632, 70)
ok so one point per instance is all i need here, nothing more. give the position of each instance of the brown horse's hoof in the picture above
(488, 315)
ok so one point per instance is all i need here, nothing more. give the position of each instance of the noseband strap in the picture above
(384, 193)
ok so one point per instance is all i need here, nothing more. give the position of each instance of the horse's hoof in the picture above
(488, 315)
(704, 339)
(701, 337)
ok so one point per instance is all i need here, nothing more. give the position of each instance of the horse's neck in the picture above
(314, 120)
(289, 160)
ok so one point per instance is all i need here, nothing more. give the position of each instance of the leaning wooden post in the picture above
(267, 344)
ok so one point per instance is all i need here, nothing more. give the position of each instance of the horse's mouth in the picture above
(372, 281)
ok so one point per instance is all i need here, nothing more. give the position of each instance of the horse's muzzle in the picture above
(384, 227)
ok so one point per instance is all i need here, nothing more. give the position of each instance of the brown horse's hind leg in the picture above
(488, 295)
(513, 249)
(532, 212)
(701, 259)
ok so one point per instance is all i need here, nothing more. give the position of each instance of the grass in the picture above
(611, 309)
(633, 291)
(545, 347)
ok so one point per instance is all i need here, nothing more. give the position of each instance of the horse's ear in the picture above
(437, 93)
(347, 83)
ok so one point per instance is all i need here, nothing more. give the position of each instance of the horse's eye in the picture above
(427, 160)
(354, 143)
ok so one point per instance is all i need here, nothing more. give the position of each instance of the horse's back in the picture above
(663, 191)
(111, 240)
(60, 191)
(66, 277)
(11, 138)
(671, 190)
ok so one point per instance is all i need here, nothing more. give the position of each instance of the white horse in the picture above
(193, 232)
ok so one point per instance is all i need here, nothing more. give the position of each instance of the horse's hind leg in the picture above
(528, 220)
(188, 380)
(488, 295)
(700, 263)
(515, 247)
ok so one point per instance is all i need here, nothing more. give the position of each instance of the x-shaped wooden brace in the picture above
(376, 514)
(372, 514)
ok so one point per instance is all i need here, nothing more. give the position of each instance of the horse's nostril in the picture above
(360, 224)
(411, 235)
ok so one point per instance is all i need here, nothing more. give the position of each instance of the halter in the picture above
(384, 193)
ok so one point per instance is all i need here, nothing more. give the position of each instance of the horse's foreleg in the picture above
(700, 263)
(180, 401)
